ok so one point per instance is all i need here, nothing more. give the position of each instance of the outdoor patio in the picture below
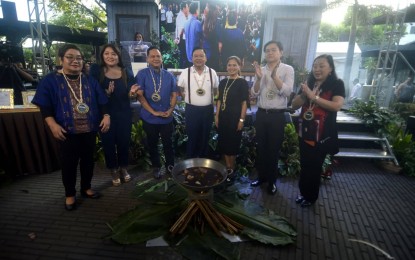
(362, 202)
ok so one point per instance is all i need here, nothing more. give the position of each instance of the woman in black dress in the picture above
(230, 112)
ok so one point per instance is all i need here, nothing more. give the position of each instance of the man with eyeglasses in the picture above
(199, 85)
(272, 86)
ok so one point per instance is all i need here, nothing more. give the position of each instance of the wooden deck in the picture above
(361, 202)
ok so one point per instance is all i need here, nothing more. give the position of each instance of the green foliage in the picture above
(300, 74)
(138, 153)
(330, 33)
(154, 39)
(378, 118)
(290, 152)
(161, 204)
(366, 32)
(404, 109)
(171, 53)
(179, 134)
(388, 123)
(245, 160)
(76, 15)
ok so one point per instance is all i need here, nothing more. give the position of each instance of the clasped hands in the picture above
(136, 90)
(307, 92)
(258, 71)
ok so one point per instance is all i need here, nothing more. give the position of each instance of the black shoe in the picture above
(306, 203)
(95, 195)
(256, 183)
(156, 173)
(230, 176)
(70, 207)
(272, 189)
(299, 199)
(169, 169)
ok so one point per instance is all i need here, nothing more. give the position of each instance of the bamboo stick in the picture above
(213, 215)
(208, 218)
(229, 227)
(233, 222)
(186, 222)
(177, 224)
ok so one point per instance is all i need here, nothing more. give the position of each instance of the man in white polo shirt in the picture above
(199, 85)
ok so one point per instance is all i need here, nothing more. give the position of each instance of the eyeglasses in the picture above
(72, 58)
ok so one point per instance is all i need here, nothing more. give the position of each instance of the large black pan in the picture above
(217, 167)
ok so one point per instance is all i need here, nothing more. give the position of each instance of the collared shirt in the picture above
(269, 96)
(181, 19)
(144, 79)
(194, 35)
(198, 81)
(169, 16)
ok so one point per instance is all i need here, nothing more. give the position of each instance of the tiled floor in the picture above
(361, 202)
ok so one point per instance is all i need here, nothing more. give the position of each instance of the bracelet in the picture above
(315, 99)
(241, 120)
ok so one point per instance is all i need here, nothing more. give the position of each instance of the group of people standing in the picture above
(77, 107)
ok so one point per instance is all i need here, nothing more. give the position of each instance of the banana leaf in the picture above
(144, 222)
(206, 246)
(163, 202)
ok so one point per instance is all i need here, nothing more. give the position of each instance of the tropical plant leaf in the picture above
(144, 222)
(207, 246)
(163, 202)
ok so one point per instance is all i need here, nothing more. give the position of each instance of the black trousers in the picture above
(269, 136)
(154, 132)
(116, 142)
(311, 159)
(184, 62)
(199, 120)
(77, 149)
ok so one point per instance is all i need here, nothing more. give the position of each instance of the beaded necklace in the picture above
(80, 107)
(225, 93)
(200, 91)
(309, 114)
(156, 95)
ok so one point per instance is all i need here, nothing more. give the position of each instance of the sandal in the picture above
(116, 178)
(124, 174)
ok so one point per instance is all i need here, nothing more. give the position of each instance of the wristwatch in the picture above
(315, 99)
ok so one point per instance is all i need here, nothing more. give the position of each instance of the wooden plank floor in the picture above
(361, 202)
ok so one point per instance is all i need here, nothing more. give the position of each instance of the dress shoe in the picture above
(306, 203)
(272, 189)
(95, 195)
(70, 207)
(230, 176)
(256, 183)
(299, 199)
